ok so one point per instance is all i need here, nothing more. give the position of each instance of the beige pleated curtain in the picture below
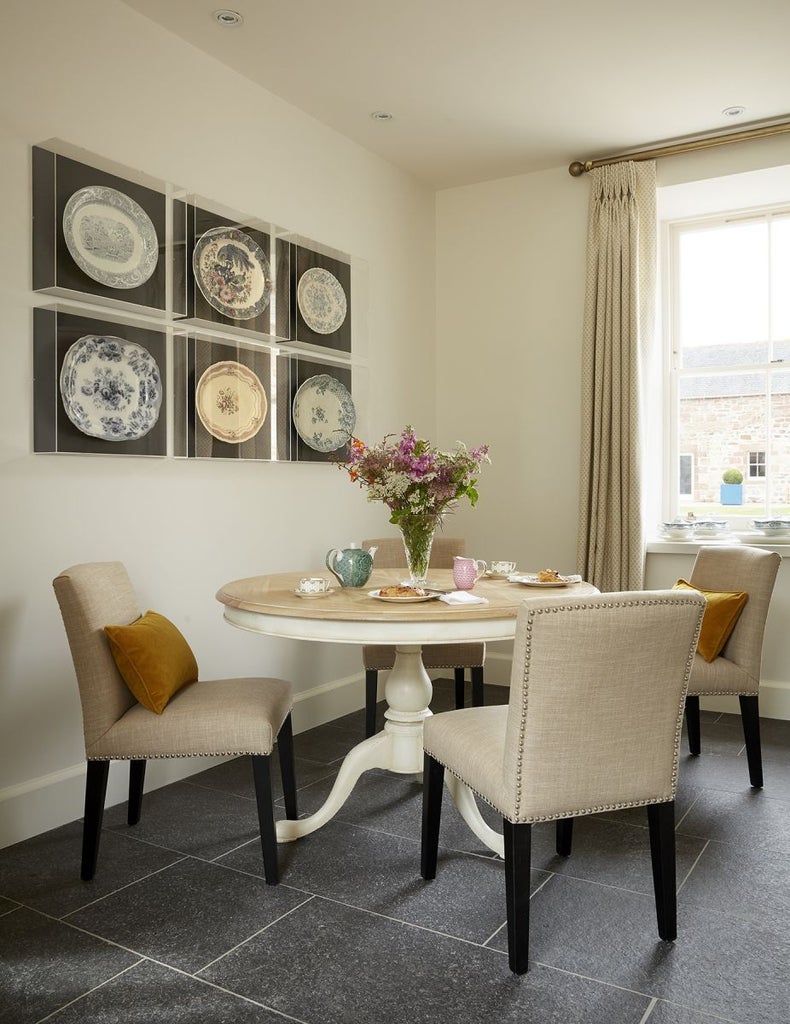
(618, 336)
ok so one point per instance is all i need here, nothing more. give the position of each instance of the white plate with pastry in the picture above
(402, 594)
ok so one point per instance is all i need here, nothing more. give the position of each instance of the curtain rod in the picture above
(578, 168)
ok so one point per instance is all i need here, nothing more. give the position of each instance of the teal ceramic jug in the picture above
(352, 566)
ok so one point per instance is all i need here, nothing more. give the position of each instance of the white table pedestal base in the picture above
(398, 748)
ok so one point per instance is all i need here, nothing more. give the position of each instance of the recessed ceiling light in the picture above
(228, 18)
(381, 115)
(733, 111)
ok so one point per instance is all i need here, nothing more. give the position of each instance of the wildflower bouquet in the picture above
(412, 477)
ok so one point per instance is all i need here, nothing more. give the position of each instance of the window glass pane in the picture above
(780, 285)
(723, 295)
(722, 418)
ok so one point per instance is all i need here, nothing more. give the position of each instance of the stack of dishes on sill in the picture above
(774, 528)
(694, 529)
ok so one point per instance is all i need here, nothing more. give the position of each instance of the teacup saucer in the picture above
(321, 593)
(498, 575)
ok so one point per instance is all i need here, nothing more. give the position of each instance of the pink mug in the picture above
(467, 571)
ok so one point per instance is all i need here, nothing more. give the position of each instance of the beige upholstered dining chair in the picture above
(596, 705)
(377, 658)
(737, 669)
(228, 717)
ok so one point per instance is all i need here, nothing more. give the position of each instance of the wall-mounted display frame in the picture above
(320, 300)
(231, 400)
(97, 236)
(99, 385)
(229, 270)
(323, 410)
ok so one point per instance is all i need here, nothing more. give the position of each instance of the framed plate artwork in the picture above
(226, 272)
(96, 234)
(321, 299)
(99, 387)
(322, 410)
(230, 400)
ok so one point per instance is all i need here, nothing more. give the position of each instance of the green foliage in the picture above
(732, 476)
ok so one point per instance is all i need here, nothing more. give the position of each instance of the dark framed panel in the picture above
(303, 371)
(104, 236)
(310, 325)
(192, 227)
(231, 401)
(111, 402)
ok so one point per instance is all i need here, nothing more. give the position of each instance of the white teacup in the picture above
(502, 568)
(313, 585)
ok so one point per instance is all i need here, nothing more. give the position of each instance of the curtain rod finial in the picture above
(577, 168)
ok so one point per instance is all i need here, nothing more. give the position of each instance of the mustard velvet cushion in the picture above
(154, 659)
(722, 611)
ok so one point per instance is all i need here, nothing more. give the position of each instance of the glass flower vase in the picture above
(417, 532)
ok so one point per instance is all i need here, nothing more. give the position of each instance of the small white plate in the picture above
(320, 593)
(498, 575)
(402, 600)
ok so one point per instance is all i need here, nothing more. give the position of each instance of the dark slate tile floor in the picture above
(179, 926)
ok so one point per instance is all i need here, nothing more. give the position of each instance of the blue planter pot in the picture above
(731, 494)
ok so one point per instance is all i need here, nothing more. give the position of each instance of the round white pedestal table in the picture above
(268, 604)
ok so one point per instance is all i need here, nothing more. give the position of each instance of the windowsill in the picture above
(691, 547)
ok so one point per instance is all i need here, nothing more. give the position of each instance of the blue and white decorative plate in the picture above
(324, 413)
(322, 301)
(233, 273)
(110, 237)
(111, 388)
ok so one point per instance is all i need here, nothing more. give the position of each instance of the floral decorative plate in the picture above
(531, 580)
(110, 237)
(322, 301)
(324, 413)
(110, 388)
(231, 402)
(232, 272)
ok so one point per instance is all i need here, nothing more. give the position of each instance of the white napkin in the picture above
(462, 597)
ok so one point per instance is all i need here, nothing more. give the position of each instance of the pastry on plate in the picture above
(549, 576)
(402, 591)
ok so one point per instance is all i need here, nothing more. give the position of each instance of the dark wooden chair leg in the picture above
(261, 771)
(692, 724)
(564, 836)
(95, 793)
(371, 693)
(478, 694)
(750, 719)
(518, 855)
(433, 782)
(459, 687)
(136, 782)
(285, 751)
(661, 821)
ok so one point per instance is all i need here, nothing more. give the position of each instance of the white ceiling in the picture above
(482, 89)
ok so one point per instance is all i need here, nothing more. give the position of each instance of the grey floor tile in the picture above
(44, 872)
(190, 819)
(326, 744)
(731, 774)
(187, 914)
(44, 964)
(751, 819)
(236, 776)
(751, 883)
(610, 852)
(723, 735)
(149, 993)
(373, 970)
(6, 906)
(381, 873)
(720, 964)
(669, 1013)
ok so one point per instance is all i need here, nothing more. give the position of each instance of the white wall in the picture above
(98, 75)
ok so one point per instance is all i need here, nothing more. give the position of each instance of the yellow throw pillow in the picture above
(722, 611)
(154, 659)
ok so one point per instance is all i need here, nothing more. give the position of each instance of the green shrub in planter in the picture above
(732, 476)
